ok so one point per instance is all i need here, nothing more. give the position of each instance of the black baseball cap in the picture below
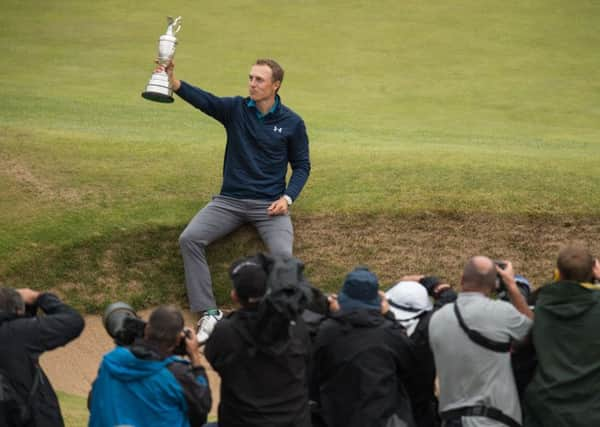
(249, 278)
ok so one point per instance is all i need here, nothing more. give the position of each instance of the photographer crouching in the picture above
(143, 382)
(27, 397)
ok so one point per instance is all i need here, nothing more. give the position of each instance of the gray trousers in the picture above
(218, 218)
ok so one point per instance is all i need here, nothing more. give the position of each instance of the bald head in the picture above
(575, 263)
(479, 274)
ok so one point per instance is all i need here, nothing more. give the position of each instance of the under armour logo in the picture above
(276, 129)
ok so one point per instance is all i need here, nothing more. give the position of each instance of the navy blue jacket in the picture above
(258, 150)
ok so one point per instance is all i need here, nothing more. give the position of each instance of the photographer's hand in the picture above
(412, 278)
(596, 269)
(192, 347)
(334, 305)
(385, 305)
(518, 300)
(29, 295)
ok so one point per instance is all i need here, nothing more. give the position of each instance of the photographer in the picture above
(261, 350)
(410, 302)
(24, 336)
(362, 360)
(564, 389)
(471, 343)
(145, 384)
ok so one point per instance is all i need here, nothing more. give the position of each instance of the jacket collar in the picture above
(360, 317)
(252, 104)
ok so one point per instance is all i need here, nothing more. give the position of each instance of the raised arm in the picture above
(60, 324)
(214, 106)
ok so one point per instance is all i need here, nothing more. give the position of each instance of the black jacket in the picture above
(361, 364)
(24, 339)
(261, 385)
(421, 381)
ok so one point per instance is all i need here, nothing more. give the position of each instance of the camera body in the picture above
(500, 285)
(522, 284)
(124, 325)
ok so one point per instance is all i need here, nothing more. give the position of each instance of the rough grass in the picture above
(145, 269)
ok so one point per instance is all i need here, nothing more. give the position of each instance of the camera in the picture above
(522, 284)
(124, 325)
(500, 285)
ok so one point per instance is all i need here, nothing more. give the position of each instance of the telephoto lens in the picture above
(122, 323)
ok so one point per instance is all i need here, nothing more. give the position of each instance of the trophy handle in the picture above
(174, 25)
(177, 23)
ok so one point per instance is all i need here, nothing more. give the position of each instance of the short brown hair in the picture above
(165, 325)
(575, 263)
(11, 301)
(276, 70)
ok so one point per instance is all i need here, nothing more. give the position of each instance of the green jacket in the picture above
(565, 390)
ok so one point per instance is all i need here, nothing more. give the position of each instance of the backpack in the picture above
(14, 410)
(288, 294)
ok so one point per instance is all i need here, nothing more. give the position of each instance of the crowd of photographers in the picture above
(289, 355)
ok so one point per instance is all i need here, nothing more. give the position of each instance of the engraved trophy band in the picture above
(158, 88)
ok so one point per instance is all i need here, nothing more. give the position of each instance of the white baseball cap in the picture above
(408, 300)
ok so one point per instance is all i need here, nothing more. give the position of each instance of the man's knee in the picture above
(281, 243)
(281, 250)
(188, 240)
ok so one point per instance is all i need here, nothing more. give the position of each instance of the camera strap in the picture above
(479, 411)
(10, 396)
(37, 378)
(476, 337)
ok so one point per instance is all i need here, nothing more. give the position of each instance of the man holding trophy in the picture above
(263, 136)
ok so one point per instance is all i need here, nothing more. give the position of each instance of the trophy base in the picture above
(158, 97)
(158, 88)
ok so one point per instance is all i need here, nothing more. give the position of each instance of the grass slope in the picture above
(466, 107)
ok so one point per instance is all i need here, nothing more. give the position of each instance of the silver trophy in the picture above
(159, 89)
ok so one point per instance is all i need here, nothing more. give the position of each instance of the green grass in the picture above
(74, 409)
(453, 107)
(460, 107)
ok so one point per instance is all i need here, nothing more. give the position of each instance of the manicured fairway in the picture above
(441, 108)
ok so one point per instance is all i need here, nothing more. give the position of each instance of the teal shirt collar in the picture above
(259, 115)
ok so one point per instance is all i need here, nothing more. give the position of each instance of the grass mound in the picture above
(145, 268)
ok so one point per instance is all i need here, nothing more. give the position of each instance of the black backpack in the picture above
(288, 294)
(14, 410)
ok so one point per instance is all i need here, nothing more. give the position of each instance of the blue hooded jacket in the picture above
(137, 392)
